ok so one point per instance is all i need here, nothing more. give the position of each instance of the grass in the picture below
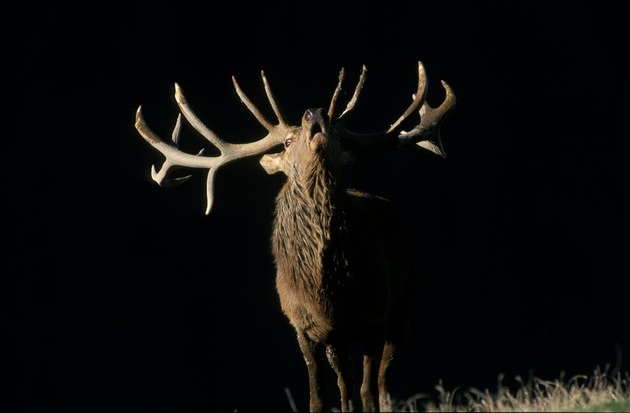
(601, 392)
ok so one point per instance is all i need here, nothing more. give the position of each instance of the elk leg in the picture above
(397, 332)
(339, 358)
(315, 358)
(384, 397)
(372, 353)
(389, 352)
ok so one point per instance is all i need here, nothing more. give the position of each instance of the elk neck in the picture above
(310, 224)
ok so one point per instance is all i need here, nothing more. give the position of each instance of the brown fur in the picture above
(343, 269)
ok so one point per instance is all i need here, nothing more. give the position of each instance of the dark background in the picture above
(129, 298)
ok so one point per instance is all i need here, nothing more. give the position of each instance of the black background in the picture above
(129, 298)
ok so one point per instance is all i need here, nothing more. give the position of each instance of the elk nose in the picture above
(313, 115)
(315, 120)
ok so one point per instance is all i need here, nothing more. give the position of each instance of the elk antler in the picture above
(228, 151)
(426, 134)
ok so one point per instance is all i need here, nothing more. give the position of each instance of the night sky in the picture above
(127, 297)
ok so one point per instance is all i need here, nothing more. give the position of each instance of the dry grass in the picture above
(601, 392)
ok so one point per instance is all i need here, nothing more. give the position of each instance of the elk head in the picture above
(322, 136)
(309, 143)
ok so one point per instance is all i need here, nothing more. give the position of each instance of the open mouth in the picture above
(319, 141)
(317, 128)
(319, 136)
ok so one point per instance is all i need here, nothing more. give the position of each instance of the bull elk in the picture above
(343, 267)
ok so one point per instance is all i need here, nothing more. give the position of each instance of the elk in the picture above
(343, 264)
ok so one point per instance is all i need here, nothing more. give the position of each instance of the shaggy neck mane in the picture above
(309, 216)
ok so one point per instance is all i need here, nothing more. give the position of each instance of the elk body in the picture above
(343, 263)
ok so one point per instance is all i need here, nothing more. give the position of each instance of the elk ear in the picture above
(273, 162)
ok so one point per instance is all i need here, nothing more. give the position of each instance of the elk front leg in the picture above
(339, 358)
(315, 357)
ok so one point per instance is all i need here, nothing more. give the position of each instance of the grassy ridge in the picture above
(601, 392)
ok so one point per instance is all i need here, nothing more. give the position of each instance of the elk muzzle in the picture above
(315, 128)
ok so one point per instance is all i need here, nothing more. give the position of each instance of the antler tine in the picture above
(176, 159)
(418, 98)
(194, 120)
(355, 95)
(229, 152)
(426, 134)
(254, 110)
(333, 101)
(272, 100)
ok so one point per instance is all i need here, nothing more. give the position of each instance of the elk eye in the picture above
(288, 142)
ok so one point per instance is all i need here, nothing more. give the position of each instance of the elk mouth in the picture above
(318, 141)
